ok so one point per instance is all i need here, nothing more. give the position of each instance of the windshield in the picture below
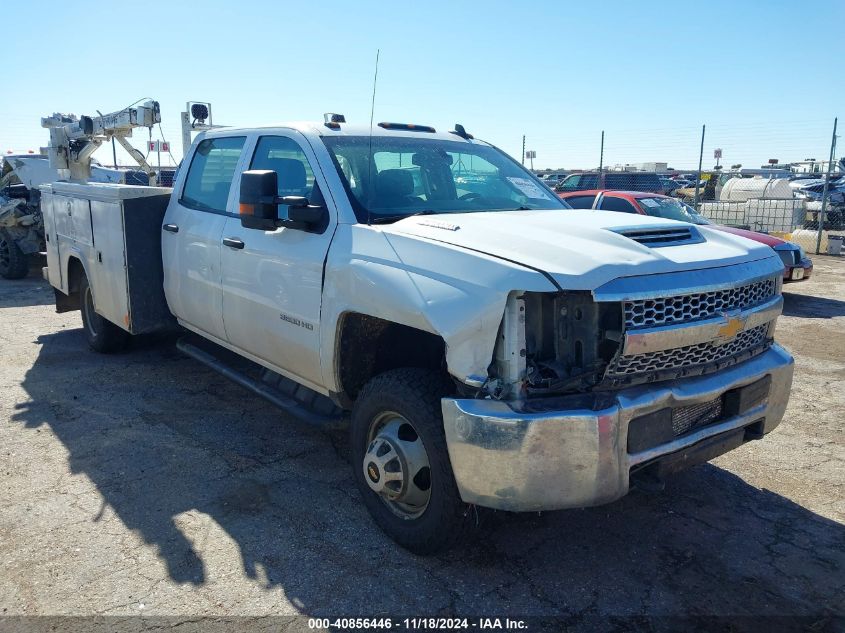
(407, 175)
(671, 209)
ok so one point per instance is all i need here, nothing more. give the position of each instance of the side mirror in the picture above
(258, 208)
(300, 211)
(259, 204)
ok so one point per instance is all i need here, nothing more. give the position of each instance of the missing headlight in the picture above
(570, 338)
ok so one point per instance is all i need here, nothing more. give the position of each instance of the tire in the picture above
(103, 335)
(14, 264)
(411, 396)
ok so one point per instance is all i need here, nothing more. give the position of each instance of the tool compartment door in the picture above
(73, 219)
(54, 270)
(107, 264)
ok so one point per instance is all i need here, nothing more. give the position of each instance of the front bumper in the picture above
(806, 265)
(573, 452)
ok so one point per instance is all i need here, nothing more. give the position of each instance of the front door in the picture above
(272, 280)
(192, 233)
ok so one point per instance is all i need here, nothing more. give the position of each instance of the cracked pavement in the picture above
(145, 483)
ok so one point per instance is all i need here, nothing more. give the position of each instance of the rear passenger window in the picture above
(589, 181)
(616, 204)
(581, 202)
(211, 172)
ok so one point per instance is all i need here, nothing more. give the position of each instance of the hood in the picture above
(579, 249)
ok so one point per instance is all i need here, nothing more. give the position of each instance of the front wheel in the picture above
(103, 335)
(400, 462)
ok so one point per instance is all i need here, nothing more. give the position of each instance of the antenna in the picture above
(370, 149)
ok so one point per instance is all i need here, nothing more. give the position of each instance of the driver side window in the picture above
(295, 176)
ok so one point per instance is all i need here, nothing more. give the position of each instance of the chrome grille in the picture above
(701, 305)
(689, 355)
(685, 419)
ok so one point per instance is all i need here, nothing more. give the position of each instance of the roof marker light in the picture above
(333, 120)
(410, 127)
(461, 131)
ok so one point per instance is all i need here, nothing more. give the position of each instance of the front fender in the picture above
(449, 291)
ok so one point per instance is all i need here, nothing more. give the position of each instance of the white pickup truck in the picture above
(495, 347)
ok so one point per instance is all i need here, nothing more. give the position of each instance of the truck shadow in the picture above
(810, 307)
(180, 455)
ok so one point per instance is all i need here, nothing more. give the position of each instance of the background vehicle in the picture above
(669, 185)
(492, 350)
(797, 266)
(21, 226)
(623, 180)
(552, 180)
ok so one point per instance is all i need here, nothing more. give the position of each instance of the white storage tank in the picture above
(742, 189)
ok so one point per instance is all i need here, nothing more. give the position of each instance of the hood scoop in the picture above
(662, 235)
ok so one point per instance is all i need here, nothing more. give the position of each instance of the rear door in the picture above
(192, 232)
(272, 280)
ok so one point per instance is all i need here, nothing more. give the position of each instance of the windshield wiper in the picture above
(387, 219)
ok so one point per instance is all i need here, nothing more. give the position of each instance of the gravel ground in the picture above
(144, 483)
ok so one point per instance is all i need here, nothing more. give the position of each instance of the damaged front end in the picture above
(587, 389)
(554, 343)
(577, 342)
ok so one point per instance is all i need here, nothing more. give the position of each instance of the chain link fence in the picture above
(796, 220)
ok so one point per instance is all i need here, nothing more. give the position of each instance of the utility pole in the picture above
(700, 158)
(523, 149)
(601, 155)
(826, 185)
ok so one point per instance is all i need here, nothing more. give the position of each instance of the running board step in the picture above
(299, 401)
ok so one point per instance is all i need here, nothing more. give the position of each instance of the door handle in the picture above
(170, 228)
(233, 242)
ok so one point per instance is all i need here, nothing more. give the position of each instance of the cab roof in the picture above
(345, 129)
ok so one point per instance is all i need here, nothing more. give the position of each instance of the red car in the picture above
(797, 265)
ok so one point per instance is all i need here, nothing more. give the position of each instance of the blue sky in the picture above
(650, 74)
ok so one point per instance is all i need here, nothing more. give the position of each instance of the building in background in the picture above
(813, 166)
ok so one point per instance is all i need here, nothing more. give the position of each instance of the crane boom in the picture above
(73, 140)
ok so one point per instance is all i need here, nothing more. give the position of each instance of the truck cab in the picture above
(488, 345)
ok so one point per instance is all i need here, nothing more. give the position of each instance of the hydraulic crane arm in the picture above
(73, 140)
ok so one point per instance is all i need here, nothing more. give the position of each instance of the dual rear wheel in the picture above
(103, 336)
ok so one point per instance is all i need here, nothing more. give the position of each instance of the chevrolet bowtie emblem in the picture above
(733, 326)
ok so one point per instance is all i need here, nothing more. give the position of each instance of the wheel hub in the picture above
(373, 472)
(396, 467)
(383, 468)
